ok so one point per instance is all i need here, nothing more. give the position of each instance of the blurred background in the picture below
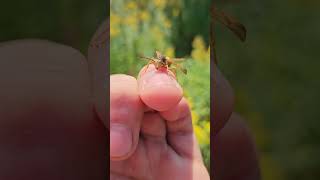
(70, 22)
(168, 26)
(274, 73)
(141, 27)
(276, 82)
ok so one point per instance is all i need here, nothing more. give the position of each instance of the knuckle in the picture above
(124, 107)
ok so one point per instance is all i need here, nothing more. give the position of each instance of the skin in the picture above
(234, 153)
(147, 144)
(54, 122)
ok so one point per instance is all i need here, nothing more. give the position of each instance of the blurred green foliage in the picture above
(275, 78)
(141, 27)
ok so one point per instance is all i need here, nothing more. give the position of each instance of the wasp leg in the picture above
(150, 62)
(174, 71)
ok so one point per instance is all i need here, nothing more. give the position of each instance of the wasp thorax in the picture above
(163, 59)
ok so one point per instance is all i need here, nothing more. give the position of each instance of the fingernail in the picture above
(120, 140)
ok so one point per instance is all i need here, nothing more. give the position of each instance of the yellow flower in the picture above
(160, 3)
(114, 19)
(175, 12)
(144, 15)
(190, 103)
(167, 23)
(207, 126)
(202, 137)
(200, 52)
(198, 43)
(169, 52)
(114, 31)
(131, 5)
(157, 33)
(195, 117)
(131, 21)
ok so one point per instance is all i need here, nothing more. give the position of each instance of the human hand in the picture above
(48, 129)
(148, 144)
(233, 150)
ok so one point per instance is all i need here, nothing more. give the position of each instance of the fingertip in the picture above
(151, 68)
(158, 88)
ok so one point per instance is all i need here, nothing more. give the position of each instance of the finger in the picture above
(114, 176)
(126, 110)
(222, 100)
(98, 58)
(234, 139)
(158, 88)
(152, 140)
(153, 127)
(179, 111)
(46, 119)
(180, 133)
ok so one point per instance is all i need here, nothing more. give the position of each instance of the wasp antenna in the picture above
(146, 58)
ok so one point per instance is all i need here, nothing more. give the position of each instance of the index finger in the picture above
(159, 89)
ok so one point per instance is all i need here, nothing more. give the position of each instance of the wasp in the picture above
(237, 28)
(161, 61)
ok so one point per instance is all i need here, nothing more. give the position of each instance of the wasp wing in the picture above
(146, 58)
(178, 59)
(158, 55)
(237, 28)
(182, 69)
